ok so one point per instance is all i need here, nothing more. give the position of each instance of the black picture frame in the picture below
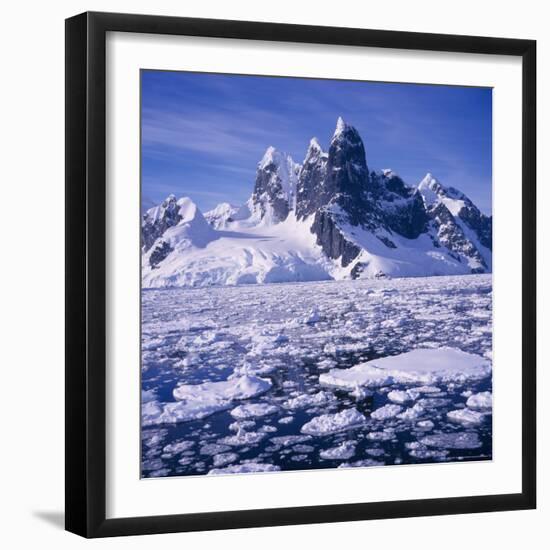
(86, 274)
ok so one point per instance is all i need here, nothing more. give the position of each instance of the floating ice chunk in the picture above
(197, 401)
(147, 396)
(399, 397)
(420, 366)
(249, 467)
(422, 453)
(286, 420)
(425, 425)
(433, 402)
(313, 317)
(177, 447)
(385, 435)
(161, 472)
(360, 393)
(155, 413)
(466, 417)
(412, 413)
(289, 440)
(309, 400)
(213, 449)
(385, 412)
(334, 423)
(362, 375)
(482, 401)
(344, 451)
(462, 440)
(426, 389)
(243, 438)
(243, 425)
(303, 449)
(268, 429)
(253, 410)
(243, 387)
(224, 458)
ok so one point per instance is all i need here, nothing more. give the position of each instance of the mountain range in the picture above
(330, 217)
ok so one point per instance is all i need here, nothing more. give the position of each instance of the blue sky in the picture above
(203, 134)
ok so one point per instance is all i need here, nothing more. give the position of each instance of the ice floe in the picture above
(424, 366)
(460, 440)
(253, 410)
(482, 401)
(385, 412)
(309, 400)
(400, 397)
(466, 417)
(344, 451)
(334, 423)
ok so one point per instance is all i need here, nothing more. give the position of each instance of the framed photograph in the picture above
(300, 274)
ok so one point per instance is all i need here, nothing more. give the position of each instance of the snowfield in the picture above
(267, 378)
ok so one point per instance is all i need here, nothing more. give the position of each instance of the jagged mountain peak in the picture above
(275, 187)
(344, 131)
(329, 217)
(314, 148)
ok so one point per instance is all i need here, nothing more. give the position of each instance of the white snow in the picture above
(482, 401)
(310, 400)
(220, 216)
(427, 366)
(466, 417)
(243, 387)
(196, 401)
(461, 440)
(253, 410)
(344, 451)
(224, 458)
(399, 397)
(412, 413)
(232, 334)
(334, 423)
(385, 412)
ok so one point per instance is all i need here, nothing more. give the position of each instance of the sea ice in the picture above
(482, 401)
(424, 366)
(461, 440)
(344, 451)
(334, 423)
(253, 410)
(466, 417)
(309, 400)
(197, 401)
(385, 412)
(412, 413)
(243, 438)
(224, 458)
(243, 387)
(399, 397)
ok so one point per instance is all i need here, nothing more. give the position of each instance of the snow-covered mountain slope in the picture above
(328, 218)
(220, 216)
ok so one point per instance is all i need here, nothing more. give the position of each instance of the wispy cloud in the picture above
(204, 134)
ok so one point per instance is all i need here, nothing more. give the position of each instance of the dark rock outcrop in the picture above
(157, 220)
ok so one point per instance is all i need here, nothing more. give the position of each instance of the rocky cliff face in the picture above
(157, 220)
(275, 187)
